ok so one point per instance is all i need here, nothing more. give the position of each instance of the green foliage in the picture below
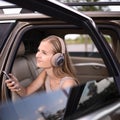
(108, 38)
(86, 8)
(79, 40)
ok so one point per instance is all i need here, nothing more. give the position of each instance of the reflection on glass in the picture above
(41, 106)
(97, 94)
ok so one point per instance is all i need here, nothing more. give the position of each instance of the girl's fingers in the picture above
(8, 81)
(13, 77)
(9, 84)
(12, 83)
(12, 86)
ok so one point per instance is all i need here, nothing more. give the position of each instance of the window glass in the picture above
(97, 94)
(81, 45)
(77, 42)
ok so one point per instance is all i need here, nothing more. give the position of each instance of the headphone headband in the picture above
(62, 44)
(58, 58)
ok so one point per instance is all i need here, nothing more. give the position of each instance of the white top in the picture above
(47, 83)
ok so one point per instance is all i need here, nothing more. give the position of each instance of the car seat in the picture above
(24, 68)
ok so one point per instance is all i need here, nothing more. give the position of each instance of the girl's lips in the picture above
(39, 60)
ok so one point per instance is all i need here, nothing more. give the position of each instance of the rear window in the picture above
(81, 45)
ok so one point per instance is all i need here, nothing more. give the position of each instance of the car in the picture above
(93, 42)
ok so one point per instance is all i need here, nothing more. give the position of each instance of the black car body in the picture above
(98, 72)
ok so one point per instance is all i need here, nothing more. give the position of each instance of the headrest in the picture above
(21, 50)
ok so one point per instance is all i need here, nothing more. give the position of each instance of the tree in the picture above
(86, 8)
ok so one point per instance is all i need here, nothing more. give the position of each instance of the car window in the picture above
(86, 59)
(95, 89)
(82, 44)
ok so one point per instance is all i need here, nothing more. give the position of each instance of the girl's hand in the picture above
(12, 83)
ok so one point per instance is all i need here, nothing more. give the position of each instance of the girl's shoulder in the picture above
(67, 81)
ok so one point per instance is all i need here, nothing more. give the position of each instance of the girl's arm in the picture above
(36, 84)
(14, 85)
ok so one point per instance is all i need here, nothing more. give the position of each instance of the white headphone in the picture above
(58, 58)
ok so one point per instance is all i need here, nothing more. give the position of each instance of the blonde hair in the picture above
(66, 69)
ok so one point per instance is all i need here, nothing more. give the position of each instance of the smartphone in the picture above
(7, 76)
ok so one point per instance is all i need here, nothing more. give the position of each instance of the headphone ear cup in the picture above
(57, 59)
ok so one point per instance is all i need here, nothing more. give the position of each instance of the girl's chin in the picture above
(38, 65)
(44, 66)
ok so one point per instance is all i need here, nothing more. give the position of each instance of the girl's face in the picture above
(44, 55)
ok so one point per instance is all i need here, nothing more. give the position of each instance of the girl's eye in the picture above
(44, 52)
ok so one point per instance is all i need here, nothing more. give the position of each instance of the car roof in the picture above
(56, 10)
(58, 7)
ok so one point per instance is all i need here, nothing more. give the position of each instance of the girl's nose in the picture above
(37, 54)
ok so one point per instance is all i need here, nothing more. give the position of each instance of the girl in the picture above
(57, 71)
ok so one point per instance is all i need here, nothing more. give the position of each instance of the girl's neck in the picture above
(50, 73)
